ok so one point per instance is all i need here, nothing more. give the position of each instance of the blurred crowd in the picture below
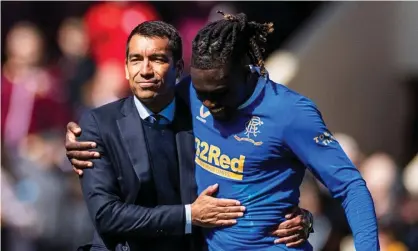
(395, 195)
(42, 208)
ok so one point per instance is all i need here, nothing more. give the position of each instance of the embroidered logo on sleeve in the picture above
(325, 139)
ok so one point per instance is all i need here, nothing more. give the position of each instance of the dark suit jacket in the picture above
(117, 189)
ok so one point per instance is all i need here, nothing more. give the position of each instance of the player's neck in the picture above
(251, 83)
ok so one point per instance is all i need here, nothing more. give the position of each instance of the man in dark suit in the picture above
(141, 193)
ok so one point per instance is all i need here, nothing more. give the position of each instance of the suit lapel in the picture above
(130, 128)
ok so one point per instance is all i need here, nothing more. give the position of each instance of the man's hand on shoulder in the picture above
(209, 212)
(296, 229)
(78, 152)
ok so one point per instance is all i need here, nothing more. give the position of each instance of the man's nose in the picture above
(146, 69)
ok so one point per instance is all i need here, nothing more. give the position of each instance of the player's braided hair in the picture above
(228, 39)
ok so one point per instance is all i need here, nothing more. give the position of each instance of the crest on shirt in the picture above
(252, 129)
(325, 139)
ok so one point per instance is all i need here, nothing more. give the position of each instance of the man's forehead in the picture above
(149, 45)
(210, 74)
(209, 80)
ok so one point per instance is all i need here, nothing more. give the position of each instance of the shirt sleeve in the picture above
(313, 144)
(188, 228)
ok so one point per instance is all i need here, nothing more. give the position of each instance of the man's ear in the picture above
(179, 70)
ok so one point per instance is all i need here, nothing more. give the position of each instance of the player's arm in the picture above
(310, 140)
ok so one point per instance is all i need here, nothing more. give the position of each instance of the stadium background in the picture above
(357, 60)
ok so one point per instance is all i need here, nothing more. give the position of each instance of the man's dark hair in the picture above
(229, 39)
(159, 29)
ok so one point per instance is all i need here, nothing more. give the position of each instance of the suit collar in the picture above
(128, 106)
(144, 112)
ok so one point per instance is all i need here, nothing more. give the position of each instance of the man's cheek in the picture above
(134, 71)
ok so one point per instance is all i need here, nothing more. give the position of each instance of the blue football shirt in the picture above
(260, 157)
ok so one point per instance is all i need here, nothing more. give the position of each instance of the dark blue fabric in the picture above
(161, 144)
(120, 190)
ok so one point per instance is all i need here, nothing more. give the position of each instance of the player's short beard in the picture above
(225, 115)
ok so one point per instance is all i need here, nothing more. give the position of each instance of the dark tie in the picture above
(156, 119)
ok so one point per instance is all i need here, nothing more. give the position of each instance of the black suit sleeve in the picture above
(109, 213)
(183, 90)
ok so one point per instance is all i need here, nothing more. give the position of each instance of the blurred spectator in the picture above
(409, 219)
(18, 219)
(310, 200)
(188, 28)
(387, 238)
(30, 93)
(75, 65)
(388, 241)
(381, 175)
(410, 176)
(107, 86)
(189, 25)
(282, 66)
(409, 205)
(108, 26)
(38, 175)
(350, 147)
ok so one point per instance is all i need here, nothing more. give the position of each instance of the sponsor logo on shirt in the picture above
(210, 158)
(251, 131)
(202, 114)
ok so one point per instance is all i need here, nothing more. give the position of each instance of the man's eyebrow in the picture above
(159, 55)
(154, 55)
(135, 55)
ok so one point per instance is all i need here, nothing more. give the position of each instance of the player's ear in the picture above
(179, 69)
